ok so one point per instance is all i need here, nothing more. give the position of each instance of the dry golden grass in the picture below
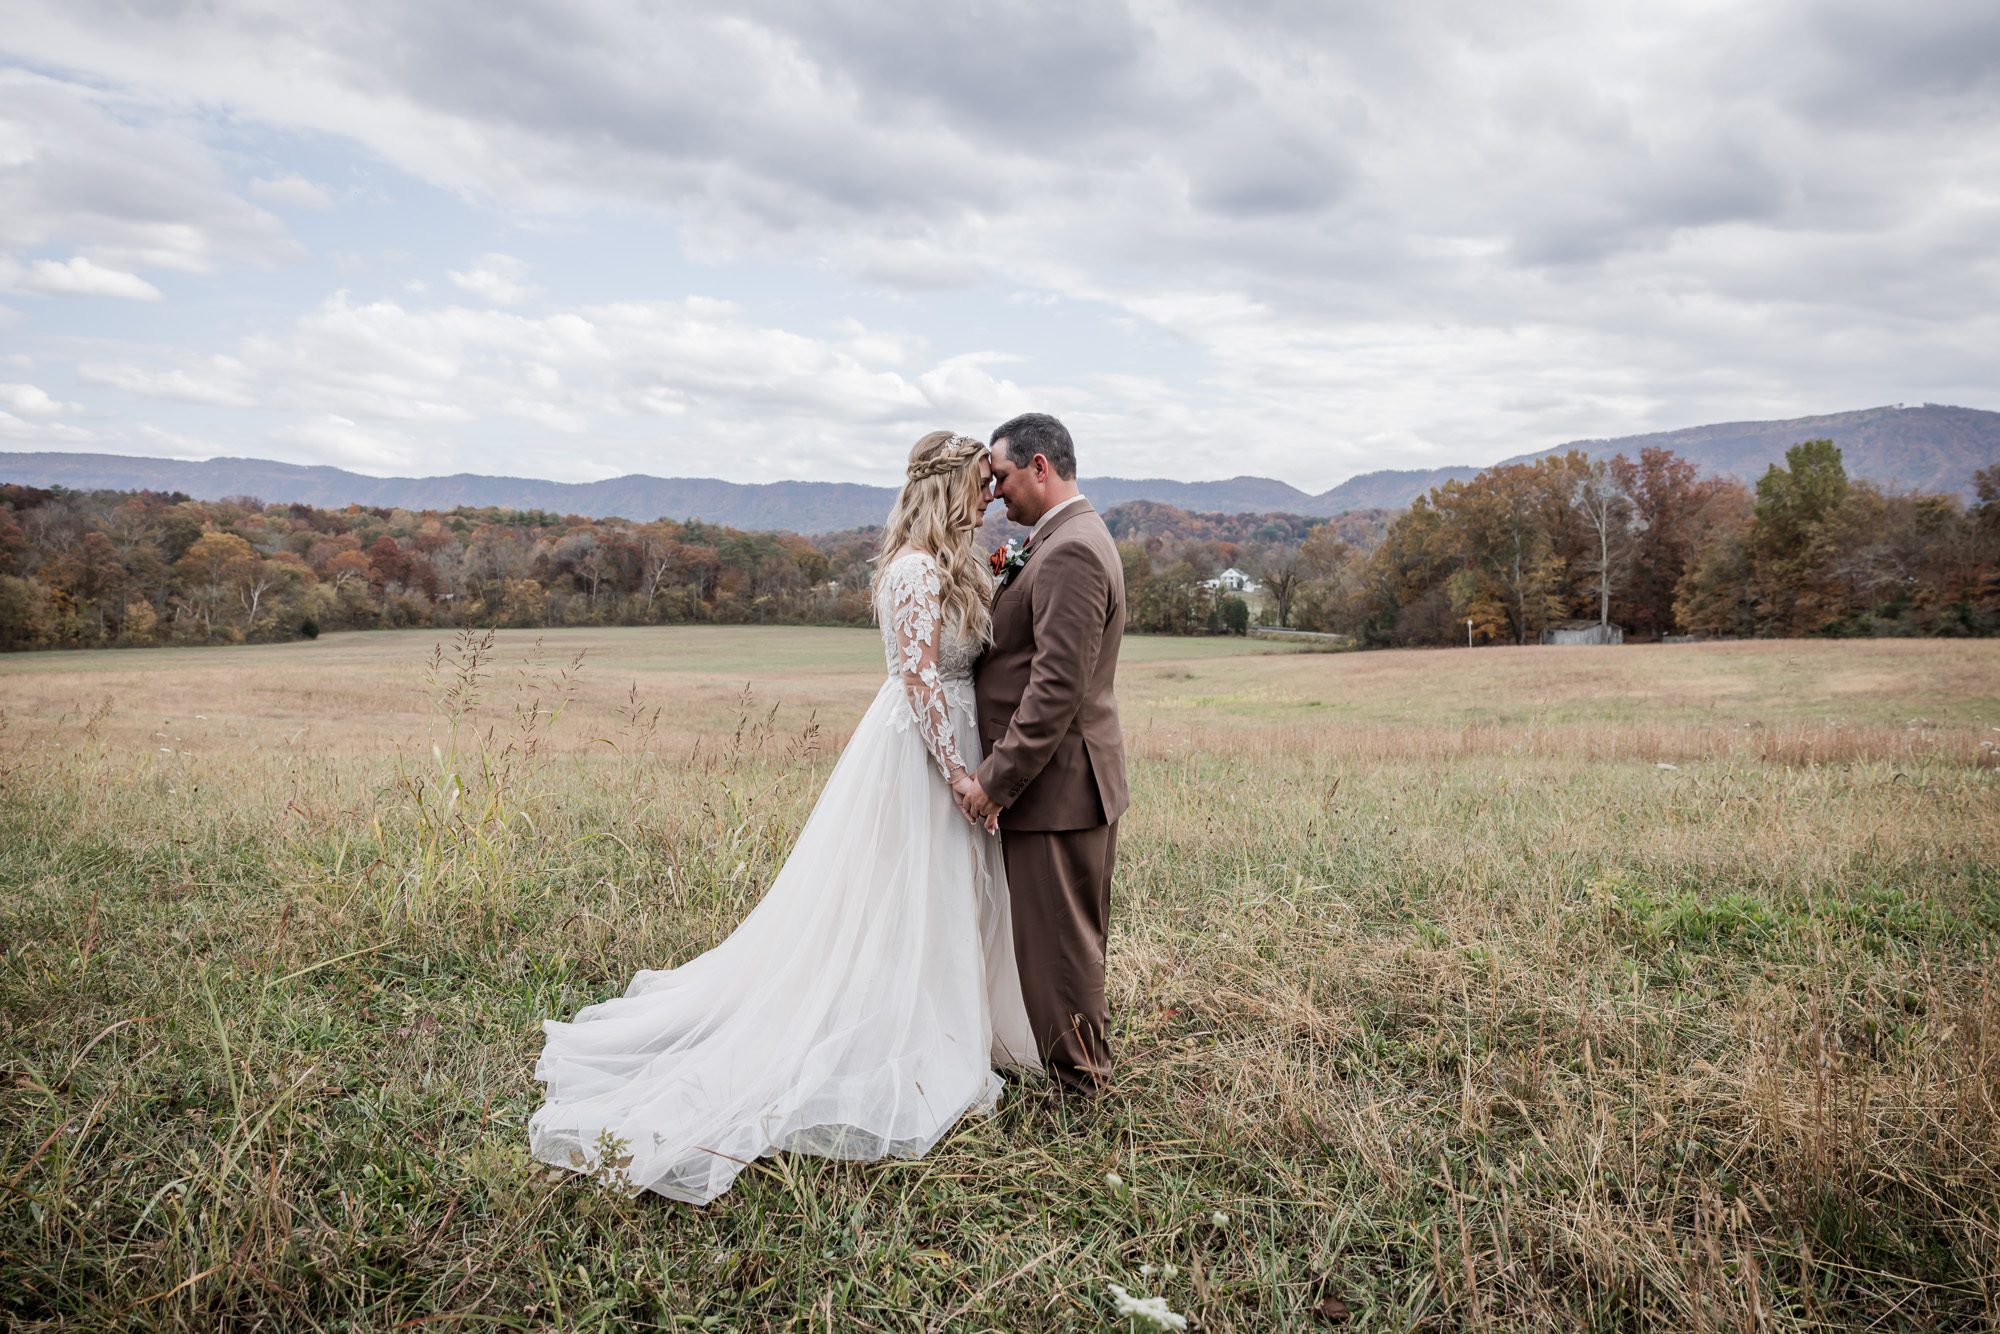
(1619, 989)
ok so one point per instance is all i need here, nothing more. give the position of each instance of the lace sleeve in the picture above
(916, 623)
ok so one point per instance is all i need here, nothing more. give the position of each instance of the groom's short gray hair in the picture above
(1034, 433)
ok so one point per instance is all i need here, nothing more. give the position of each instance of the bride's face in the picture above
(983, 496)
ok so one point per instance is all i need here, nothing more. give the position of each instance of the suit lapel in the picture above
(1082, 506)
(1035, 543)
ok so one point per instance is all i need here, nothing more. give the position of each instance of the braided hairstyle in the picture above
(937, 512)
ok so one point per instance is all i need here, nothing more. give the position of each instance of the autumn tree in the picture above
(1515, 534)
(347, 567)
(387, 564)
(12, 540)
(1331, 571)
(1402, 599)
(256, 580)
(1173, 601)
(1280, 569)
(1713, 596)
(93, 578)
(208, 572)
(1667, 496)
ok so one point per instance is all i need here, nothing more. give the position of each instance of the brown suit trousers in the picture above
(1055, 761)
(1059, 884)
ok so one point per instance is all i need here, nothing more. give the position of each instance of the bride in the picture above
(860, 1008)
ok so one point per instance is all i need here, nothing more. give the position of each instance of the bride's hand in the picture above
(961, 786)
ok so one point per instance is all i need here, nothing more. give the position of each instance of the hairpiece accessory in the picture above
(949, 456)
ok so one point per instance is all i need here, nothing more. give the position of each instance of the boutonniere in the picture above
(1007, 559)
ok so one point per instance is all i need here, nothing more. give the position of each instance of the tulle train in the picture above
(857, 1012)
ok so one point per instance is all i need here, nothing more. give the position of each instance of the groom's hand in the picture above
(964, 790)
(976, 804)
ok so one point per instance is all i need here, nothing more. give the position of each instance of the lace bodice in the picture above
(933, 661)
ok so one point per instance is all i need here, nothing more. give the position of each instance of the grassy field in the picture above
(1632, 988)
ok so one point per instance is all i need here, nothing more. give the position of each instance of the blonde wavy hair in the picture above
(937, 511)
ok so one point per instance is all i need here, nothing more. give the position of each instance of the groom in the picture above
(1055, 758)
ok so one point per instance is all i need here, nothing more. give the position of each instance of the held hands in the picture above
(972, 800)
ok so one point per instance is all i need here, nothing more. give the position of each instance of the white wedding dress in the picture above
(860, 1008)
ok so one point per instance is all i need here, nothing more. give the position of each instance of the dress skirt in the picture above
(857, 1012)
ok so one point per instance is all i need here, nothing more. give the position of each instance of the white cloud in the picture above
(31, 400)
(1339, 237)
(345, 443)
(131, 186)
(152, 441)
(44, 434)
(83, 277)
(293, 191)
(216, 381)
(496, 278)
(385, 382)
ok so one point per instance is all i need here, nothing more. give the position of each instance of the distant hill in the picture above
(799, 507)
(1236, 495)
(1931, 448)
(1391, 488)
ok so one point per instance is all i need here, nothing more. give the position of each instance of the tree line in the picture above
(103, 568)
(1645, 544)
(1651, 547)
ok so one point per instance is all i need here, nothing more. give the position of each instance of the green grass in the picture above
(1463, 1020)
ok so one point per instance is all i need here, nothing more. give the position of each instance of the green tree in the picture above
(1794, 554)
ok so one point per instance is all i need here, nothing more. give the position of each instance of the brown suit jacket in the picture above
(1055, 757)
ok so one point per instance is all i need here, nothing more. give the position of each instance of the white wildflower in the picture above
(1146, 1270)
(1219, 1218)
(1152, 1310)
(1170, 1272)
(1113, 1180)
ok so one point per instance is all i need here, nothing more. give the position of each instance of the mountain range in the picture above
(1928, 448)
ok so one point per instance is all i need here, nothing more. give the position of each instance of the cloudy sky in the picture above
(578, 238)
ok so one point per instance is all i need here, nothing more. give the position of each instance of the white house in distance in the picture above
(1232, 580)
